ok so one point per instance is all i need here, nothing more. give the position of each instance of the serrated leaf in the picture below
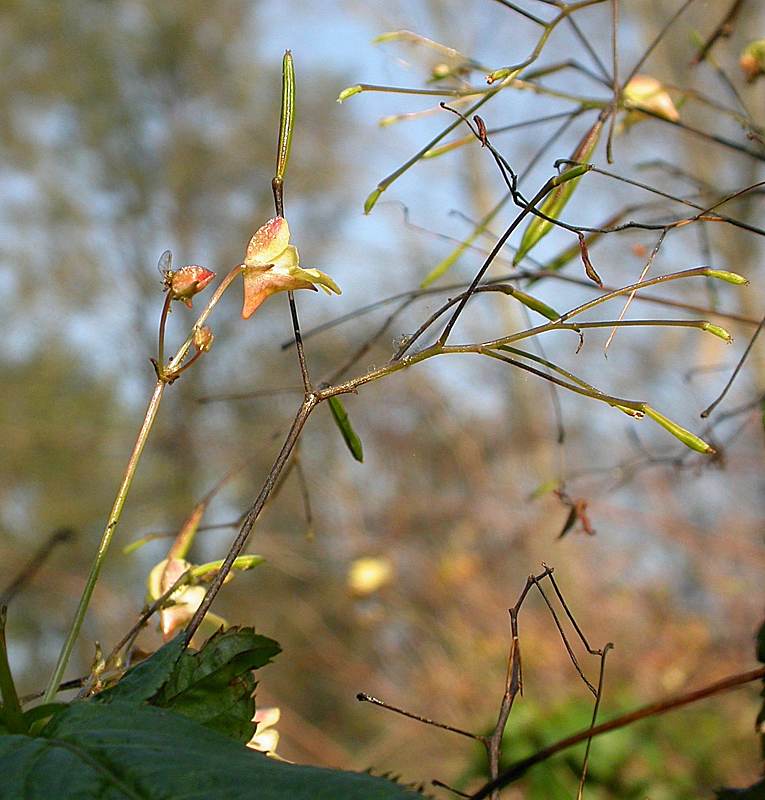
(119, 750)
(214, 686)
(351, 439)
(146, 679)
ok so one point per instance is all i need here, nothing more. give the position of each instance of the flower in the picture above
(646, 93)
(271, 265)
(752, 60)
(266, 737)
(185, 282)
(203, 338)
(186, 599)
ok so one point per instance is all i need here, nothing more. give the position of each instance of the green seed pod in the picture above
(686, 437)
(556, 201)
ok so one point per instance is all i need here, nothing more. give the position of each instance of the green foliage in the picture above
(186, 741)
(111, 751)
(656, 758)
(215, 686)
(145, 679)
(756, 792)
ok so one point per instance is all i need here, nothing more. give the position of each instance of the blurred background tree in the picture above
(134, 126)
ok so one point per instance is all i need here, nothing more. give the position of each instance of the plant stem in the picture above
(309, 403)
(11, 708)
(162, 326)
(164, 375)
(186, 346)
(652, 710)
(106, 538)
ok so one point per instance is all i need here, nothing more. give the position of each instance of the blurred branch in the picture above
(40, 556)
(712, 406)
(723, 30)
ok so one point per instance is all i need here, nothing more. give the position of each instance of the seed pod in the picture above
(556, 201)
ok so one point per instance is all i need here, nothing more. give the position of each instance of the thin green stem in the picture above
(556, 325)
(542, 41)
(119, 502)
(106, 538)
(13, 717)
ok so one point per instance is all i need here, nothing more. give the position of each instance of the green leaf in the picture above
(43, 711)
(119, 750)
(215, 685)
(755, 792)
(11, 715)
(146, 679)
(351, 439)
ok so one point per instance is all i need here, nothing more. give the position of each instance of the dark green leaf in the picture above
(340, 415)
(43, 711)
(755, 792)
(119, 750)
(215, 685)
(145, 679)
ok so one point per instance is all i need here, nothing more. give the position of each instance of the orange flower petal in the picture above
(260, 283)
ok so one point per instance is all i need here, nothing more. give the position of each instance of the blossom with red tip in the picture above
(271, 265)
(185, 282)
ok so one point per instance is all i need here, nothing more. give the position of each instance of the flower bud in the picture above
(185, 600)
(752, 60)
(185, 282)
(645, 92)
(203, 338)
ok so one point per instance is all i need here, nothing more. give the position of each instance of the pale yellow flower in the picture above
(186, 599)
(646, 93)
(271, 265)
(266, 737)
